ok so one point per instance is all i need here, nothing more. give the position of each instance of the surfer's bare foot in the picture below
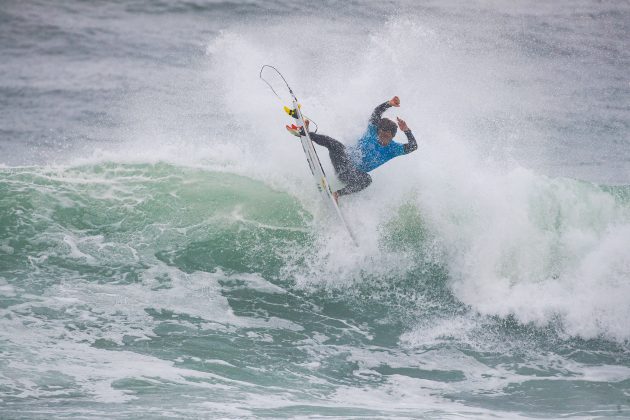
(336, 197)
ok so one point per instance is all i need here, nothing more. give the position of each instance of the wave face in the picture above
(164, 252)
(137, 276)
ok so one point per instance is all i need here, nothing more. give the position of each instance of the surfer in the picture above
(373, 149)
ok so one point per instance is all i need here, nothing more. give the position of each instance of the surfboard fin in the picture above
(295, 130)
(292, 112)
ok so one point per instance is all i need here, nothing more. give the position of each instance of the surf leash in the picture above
(290, 111)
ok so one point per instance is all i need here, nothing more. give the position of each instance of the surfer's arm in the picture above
(378, 112)
(411, 142)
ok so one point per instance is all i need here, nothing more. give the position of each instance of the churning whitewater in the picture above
(164, 251)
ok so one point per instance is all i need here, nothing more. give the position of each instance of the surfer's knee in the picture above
(365, 179)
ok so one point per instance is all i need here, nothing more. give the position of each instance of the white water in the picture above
(509, 106)
(516, 242)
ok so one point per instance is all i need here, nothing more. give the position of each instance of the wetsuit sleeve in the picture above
(378, 112)
(411, 142)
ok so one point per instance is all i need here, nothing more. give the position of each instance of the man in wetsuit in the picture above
(373, 149)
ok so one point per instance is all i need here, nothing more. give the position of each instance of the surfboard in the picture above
(314, 163)
(317, 170)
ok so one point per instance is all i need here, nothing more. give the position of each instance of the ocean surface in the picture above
(164, 252)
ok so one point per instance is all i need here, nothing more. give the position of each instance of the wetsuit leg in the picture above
(336, 150)
(354, 179)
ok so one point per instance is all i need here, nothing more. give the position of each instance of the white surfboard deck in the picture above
(318, 172)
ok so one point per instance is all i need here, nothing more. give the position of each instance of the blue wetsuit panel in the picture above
(368, 154)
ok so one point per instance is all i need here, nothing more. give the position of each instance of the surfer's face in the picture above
(384, 137)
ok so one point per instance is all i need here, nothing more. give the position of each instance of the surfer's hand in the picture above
(402, 124)
(395, 101)
(336, 196)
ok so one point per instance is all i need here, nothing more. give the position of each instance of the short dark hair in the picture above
(388, 125)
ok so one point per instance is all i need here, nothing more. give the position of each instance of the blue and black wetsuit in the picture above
(353, 163)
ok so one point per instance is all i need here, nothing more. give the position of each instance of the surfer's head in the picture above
(386, 131)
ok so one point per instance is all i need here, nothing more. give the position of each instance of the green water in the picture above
(153, 291)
